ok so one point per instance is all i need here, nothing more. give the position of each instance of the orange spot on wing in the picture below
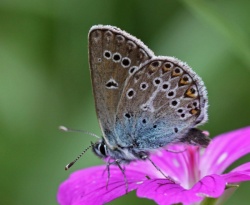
(191, 92)
(194, 111)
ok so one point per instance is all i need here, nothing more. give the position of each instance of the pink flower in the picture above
(197, 175)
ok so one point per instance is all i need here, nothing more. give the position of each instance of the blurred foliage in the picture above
(45, 80)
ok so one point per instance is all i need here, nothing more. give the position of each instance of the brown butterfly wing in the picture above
(114, 56)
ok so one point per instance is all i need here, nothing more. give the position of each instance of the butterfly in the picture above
(143, 102)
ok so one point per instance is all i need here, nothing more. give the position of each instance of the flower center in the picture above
(193, 158)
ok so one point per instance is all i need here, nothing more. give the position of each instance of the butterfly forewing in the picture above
(160, 103)
(114, 56)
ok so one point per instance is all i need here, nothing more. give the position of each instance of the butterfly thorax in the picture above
(122, 154)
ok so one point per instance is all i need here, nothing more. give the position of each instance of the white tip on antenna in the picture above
(63, 128)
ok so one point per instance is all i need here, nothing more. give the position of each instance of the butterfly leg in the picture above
(167, 177)
(108, 170)
(117, 161)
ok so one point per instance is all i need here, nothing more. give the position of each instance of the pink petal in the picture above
(176, 163)
(165, 192)
(88, 186)
(224, 150)
(239, 174)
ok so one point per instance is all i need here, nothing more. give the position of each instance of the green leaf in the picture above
(208, 12)
(209, 201)
(229, 189)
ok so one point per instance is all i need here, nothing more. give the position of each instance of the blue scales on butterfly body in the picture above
(143, 102)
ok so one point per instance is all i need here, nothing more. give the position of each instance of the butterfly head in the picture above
(124, 155)
(100, 149)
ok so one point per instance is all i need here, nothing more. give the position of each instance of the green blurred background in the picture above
(45, 80)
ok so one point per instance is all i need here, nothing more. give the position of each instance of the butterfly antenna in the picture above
(65, 129)
(73, 162)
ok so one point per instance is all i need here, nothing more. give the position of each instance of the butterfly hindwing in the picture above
(160, 103)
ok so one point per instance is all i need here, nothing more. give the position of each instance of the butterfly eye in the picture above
(102, 149)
